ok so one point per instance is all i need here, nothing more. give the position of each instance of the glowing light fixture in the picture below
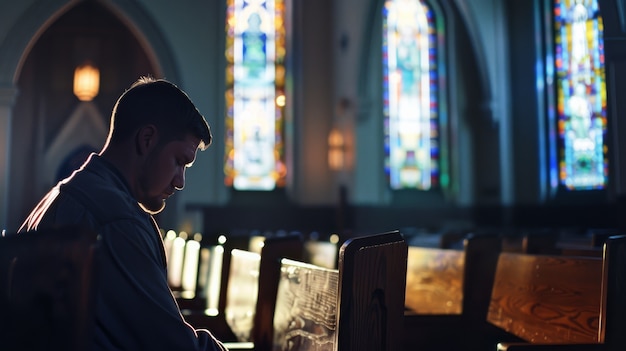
(86, 82)
(336, 150)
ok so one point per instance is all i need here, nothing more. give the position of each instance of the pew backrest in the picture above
(242, 292)
(434, 281)
(274, 249)
(549, 299)
(47, 289)
(252, 287)
(306, 307)
(372, 282)
(358, 306)
(451, 281)
(613, 306)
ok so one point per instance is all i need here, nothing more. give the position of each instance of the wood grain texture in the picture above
(252, 289)
(372, 281)
(547, 299)
(613, 312)
(305, 318)
(434, 282)
(451, 289)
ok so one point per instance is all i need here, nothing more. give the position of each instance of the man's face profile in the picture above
(163, 172)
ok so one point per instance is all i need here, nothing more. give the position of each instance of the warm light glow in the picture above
(190, 268)
(280, 100)
(336, 150)
(86, 82)
(256, 243)
(211, 312)
(214, 279)
(175, 262)
(168, 243)
(242, 292)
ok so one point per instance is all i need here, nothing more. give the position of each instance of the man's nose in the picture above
(179, 180)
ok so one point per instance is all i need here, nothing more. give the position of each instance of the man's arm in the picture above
(135, 307)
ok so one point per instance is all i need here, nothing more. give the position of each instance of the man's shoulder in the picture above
(103, 199)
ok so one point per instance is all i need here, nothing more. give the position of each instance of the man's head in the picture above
(155, 133)
(161, 103)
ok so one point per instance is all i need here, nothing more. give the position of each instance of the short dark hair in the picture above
(158, 102)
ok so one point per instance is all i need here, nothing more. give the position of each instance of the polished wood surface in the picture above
(372, 281)
(613, 308)
(357, 307)
(248, 294)
(273, 251)
(434, 282)
(448, 293)
(242, 292)
(306, 307)
(547, 299)
(612, 316)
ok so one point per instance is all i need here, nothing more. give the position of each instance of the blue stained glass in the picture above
(410, 94)
(581, 96)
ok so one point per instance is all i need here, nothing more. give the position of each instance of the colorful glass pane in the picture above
(581, 95)
(255, 100)
(410, 101)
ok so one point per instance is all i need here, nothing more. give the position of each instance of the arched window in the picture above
(411, 103)
(255, 98)
(581, 159)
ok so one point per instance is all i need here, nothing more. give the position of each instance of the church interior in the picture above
(337, 119)
(493, 153)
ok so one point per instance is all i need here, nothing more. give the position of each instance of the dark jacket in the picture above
(135, 308)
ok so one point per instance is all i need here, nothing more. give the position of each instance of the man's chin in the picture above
(153, 208)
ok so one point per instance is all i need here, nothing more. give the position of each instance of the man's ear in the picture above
(146, 138)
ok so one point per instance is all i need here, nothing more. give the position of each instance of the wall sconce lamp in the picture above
(86, 82)
(336, 150)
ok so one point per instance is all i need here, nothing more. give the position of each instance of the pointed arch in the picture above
(42, 13)
(32, 23)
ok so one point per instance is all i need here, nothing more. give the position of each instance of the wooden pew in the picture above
(358, 306)
(195, 311)
(229, 325)
(48, 284)
(372, 281)
(613, 307)
(242, 293)
(567, 303)
(447, 294)
(306, 307)
(553, 242)
(548, 299)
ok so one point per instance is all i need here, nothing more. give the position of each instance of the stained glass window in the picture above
(410, 103)
(255, 98)
(581, 95)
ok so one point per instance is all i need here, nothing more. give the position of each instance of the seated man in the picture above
(155, 133)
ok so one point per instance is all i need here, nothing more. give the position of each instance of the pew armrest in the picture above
(522, 346)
